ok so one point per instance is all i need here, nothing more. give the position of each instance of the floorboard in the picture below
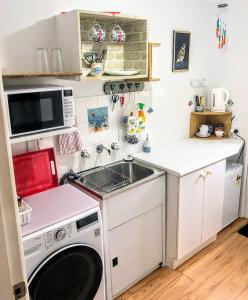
(218, 272)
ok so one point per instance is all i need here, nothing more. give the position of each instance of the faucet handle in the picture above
(115, 146)
(85, 153)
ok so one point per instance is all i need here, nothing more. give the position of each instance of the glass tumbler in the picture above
(57, 60)
(42, 57)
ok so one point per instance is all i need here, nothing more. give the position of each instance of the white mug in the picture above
(219, 133)
(204, 128)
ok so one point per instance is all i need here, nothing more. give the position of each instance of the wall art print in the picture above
(181, 51)
(98, 119)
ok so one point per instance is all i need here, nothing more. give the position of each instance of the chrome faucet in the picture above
(100, 147)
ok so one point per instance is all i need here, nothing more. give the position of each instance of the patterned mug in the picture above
(118, 35)
(97, 34)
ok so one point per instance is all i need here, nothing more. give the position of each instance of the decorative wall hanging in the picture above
(181, 51)
(221, 28)
(98, 119)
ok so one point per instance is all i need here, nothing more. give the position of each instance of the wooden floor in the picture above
(219, 272)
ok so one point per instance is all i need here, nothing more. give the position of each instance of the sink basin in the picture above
(108, 179)
(132, 170)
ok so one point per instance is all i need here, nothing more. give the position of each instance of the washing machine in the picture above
(63, 246)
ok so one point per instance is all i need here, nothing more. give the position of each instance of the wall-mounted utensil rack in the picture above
(120, 87)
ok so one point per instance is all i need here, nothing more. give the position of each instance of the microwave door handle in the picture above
(213, 100)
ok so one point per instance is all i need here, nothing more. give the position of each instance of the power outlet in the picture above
(198, 82)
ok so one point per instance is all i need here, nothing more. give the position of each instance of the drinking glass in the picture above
(57, 60)
(42, 57)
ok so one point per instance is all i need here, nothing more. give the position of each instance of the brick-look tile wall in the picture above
(130, 55)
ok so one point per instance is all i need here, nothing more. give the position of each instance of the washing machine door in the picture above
(71, 273)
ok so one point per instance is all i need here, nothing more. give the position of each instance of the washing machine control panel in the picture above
(57, 235)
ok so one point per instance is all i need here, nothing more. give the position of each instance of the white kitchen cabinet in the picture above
(134, 234)
(135, 249)
(194, 212)
(190, 212)
(213, 200)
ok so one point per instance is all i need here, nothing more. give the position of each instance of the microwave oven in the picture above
(32, 110)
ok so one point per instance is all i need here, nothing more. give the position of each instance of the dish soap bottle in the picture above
(131, 125)
(147, 145)
(141, 118)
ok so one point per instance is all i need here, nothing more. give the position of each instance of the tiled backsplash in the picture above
(91, 140)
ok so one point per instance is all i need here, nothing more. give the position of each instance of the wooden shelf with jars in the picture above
(213, 118)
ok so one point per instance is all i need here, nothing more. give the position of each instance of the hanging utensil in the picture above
(115, 99)
(102, 55)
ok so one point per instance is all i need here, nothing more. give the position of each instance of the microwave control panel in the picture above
(69, 108)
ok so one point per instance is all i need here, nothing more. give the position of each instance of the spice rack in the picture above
(209, 117)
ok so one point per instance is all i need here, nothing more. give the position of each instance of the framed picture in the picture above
(181, 51)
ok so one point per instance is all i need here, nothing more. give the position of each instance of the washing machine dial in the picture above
(60, 234)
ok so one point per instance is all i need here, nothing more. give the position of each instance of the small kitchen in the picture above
(124, 169)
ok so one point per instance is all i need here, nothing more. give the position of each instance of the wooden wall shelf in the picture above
(209, 117)
(33, 75)
(151, 46)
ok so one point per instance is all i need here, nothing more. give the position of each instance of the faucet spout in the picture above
(101, 147)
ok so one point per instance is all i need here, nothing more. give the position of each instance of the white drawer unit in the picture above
(134, 202)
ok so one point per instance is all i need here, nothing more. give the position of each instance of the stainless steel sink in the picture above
(132, 170)
(107, 180)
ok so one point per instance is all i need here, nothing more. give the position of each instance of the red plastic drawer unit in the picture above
(35, 172)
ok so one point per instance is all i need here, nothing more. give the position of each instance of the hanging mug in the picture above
(118, 35)
(97, 34)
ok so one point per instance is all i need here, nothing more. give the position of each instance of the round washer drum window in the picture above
(74, 273)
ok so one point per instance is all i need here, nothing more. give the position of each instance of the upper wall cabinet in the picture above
(74, 37)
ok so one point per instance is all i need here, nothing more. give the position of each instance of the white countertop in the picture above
(186, 156)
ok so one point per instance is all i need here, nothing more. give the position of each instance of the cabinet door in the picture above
(191, 190)
(213, 200)
(135, 249)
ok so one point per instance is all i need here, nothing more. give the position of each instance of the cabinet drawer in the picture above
(135, 249)
(136, 201)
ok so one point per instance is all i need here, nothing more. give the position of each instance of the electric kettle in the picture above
(219, 99)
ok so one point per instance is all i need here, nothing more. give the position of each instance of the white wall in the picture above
(26, 25)
(230, 71)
